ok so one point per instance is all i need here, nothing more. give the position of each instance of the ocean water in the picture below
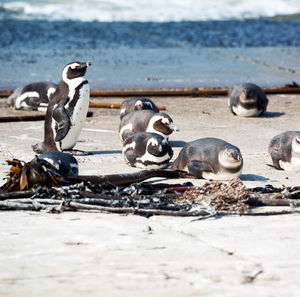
(157, 43)
(146, 10)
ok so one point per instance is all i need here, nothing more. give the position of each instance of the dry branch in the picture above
(114, 105)
(25, 118)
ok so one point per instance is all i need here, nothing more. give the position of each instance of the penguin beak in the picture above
(173, 127)
(84, 65)
(236, 156)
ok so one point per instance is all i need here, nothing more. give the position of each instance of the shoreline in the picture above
(160, 68)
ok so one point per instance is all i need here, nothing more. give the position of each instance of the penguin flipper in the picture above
(64, 122)
(276, 157)
(196, 168)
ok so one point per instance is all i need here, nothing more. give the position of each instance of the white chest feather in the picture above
(122, 111)
(294, 165)
(124, 128)
(150, 127)
(20, 101)
(150, 158)
(243, 112)
(222, 175)
(78, 116)
(127, 147)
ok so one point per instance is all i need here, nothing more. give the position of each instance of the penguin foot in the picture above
(78, 153)
(38, 148)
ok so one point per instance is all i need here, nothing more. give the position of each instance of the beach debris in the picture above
(23, 176)
(37, 186)
(219, 196)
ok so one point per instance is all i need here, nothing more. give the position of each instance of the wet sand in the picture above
(87, 254)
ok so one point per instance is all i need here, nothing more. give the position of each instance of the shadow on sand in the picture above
(177, 143)
(104, 152)
(268, 114)
(253, 177)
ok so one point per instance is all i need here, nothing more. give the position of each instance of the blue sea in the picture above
(146, 10)
(138, 43)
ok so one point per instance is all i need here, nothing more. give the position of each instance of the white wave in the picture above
(149, 10)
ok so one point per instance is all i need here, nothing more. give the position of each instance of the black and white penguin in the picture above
(64, 163)
(210, 158)
(147, 150)
(146, 121)
(67, 110)
(133, 104)
(247, 100)
(34, 96)
(284, 150)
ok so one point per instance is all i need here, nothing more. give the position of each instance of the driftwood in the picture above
(160, 199)
(24, 118)
(37, 186)
(124, 179)
(114, 105)
(288, 89)
(271, 199)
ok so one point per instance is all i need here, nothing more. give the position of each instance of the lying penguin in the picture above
(133, 104)
(247, 100)
(146, 121)
(34, 96)
(65, 164)
(147, 150)
(67, 110)
(210, 158)
(284, 150)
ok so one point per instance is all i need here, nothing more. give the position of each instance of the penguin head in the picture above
(64, 163)
(296, 144)
(163, 123)
(230, 157)
(74, 70)
(157, 146)
(248, 95)
(143, 103)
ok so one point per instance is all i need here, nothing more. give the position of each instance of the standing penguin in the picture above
(139, 103)
(284, 150)
(67, 110)
(147, 150)
(247, 100)
(34, 96)
(146, 121)
(210, 158)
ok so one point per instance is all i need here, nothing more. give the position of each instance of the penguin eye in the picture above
(154, 142)
(229, 152)
(74, 66)
(297, 139)
(165, 121)
(138, 104)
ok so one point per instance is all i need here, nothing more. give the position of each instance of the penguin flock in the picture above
(144, 130)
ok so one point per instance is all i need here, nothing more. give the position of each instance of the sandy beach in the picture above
(84, 253)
